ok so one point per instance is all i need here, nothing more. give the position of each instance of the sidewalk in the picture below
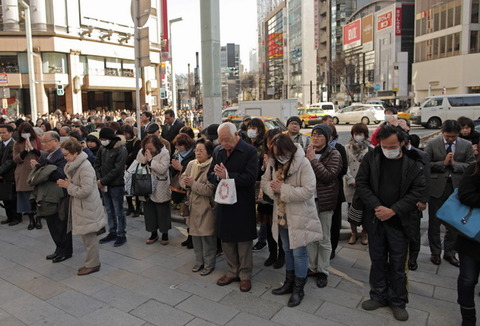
(154, 285)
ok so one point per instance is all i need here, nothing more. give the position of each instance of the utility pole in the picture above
(31, 71)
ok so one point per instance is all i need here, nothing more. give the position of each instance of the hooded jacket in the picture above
(110, 163)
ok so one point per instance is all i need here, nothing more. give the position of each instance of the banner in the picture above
(385, 20)
(352, 36)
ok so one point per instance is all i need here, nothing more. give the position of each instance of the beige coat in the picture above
(23, 166)
(297, 192)
(200, 201)
(87, 212)
(159, 167)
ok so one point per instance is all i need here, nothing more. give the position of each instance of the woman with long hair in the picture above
(25, 149)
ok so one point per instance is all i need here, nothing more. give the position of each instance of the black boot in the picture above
(468, 316)
(38, 223)
(280, 260)
(297, 294)
(31, 225)
(272, 258)
(287, 286)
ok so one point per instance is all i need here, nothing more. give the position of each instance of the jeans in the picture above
(113, 200)
(295, 259)
(467, 279)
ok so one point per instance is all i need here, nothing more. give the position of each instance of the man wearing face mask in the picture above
(390, 120)
(389, 183)
(110, 168)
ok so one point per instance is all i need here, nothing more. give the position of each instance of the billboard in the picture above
(385, 21)
(275, 45)
(352, 36)
(367, 33)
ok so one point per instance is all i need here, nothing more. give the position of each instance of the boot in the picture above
(287, 286)
(354, 236)
(38, 223)
(280, 260)
(31, 225)
(272, 258)
(468, 316)
(364, 238)
(130, 208)
(297, 294)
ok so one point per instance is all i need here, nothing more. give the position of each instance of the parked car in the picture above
(231, 111)
(364, 113)
(310, 116)
(326, 107)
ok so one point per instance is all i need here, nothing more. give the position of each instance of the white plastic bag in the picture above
(226, 192)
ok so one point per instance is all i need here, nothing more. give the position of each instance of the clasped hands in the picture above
(384, 213)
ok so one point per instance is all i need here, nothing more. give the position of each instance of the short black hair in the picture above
(466, 122)
(451, 126)
(148, 114)
(75, 135)
(170, 112)
(326, 117)
(8, 127)
(387, 131)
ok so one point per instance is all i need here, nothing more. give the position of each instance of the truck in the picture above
(281, 109)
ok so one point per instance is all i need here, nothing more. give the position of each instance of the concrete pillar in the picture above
(212, 89)
(40, 93)
(39, 15)
(73, 92)
(10, 15)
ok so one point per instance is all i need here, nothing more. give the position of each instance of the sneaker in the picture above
(371, 304)
(322, 280)
(108, 238)
(120, 241)
(400, 314)
(259, 246)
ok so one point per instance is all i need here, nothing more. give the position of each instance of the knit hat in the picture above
(323, 129)
(153, 127)
(107, 133)
(294, 118)
(247, 118)
(211, 131)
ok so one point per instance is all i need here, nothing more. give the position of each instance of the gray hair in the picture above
(228, 125)
(53, 135)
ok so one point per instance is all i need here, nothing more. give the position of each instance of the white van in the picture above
(436, 109)
(327, 107)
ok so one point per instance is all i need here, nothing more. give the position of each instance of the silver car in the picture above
(364, 113)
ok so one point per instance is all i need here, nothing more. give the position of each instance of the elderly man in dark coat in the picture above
(236, 224)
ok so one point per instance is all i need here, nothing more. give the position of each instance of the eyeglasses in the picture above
(316, 136)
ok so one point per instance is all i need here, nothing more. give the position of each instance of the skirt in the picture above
(24, 205)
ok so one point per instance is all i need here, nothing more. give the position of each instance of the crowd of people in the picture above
(72, 172)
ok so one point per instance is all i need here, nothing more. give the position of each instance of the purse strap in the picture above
(467, 217)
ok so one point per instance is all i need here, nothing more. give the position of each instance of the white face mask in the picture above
(252, 133)
(391, 154)
(359, 139)
(26, 135)
(283, 159)
(105, 142)
(215, 142)
(389, 117)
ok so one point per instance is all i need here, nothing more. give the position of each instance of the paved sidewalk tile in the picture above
(44, 288)
(161, 314)
(110, 316)
(294, 317)
(208, 310)
(251, 304)
(76, 303)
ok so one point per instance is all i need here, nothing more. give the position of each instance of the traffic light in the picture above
(60, 90)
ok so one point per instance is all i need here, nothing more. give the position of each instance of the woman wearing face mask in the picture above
(156, 208)
(25, 149)
(291, 183)
(391, 119)
(93, 143)
(356, 149)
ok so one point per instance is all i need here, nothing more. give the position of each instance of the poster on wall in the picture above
(352, 36)
(367, 33)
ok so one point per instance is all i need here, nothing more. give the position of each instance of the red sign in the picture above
(384, 20)
(352, 34)
(275, 45)
(3, 78)
(398, 21)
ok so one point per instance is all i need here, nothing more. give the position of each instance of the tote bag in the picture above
(226, 192)
(141, 182)
(463, 218)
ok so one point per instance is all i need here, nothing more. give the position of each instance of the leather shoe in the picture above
(150, 241)
(197, 268)
(61, 258)
(52, 256)
(14, 222)
(452, 260)
(5, 221)
(245, 285)
(435, 259)
(207, 271)
(225, 280)
(88, 270)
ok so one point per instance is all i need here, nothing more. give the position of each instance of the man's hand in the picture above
(384, 213)
(276, 185)
(99, 184)
(421, 206)
(310, 152)
(220, 171)
(448, 159)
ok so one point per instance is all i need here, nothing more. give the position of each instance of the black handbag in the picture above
(141, 184)
(6, 190)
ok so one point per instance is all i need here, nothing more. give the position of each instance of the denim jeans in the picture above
(467, 279)
(295, 259)
(113, 201)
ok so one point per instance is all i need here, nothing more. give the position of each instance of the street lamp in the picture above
(174, 86)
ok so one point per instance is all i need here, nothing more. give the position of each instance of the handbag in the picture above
(141, 183)
(6, 190)
(175, 184)
(355, 211)
(463, 218)
(226, 192)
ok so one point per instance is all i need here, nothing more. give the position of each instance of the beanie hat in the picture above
(107, 133)
(294, 118)
(211, 131)
(324, 130)
(153, 127)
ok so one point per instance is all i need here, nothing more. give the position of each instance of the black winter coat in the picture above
(412, 187)
(7, 165)
(237, 222)
(110, 164)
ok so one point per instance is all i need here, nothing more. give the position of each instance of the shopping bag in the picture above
(226, 192)
(463, 218)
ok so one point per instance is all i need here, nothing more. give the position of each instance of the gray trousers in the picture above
(205, 249)
(319, 251)
(434, 226)
(239, 259)
(90, 242)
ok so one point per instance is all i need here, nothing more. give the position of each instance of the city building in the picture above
(85, 46)
(230, 72)
(447, 48)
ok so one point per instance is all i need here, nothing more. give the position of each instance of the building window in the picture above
(475, 11)
(435, 15)
(474, 42)
(54, 63)
(9, 63)
(444, 46)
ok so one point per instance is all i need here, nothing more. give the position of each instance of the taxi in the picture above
(310, 116)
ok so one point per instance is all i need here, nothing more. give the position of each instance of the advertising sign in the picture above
(385, 20)
(3, 78)
(398, 21)
(275, 45)
(352, 36)
(367, 33)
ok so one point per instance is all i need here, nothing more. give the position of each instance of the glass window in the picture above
(9, 63)
(84, 63)
(448, 45)
(475, 11)
(456, 101)
(54, 63)
(458, 13)
(436, 101)
(112, 66)
(471, 101)
(474, 46)
(450, 17)
(456, 43)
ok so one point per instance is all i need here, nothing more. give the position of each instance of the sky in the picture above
(238, 24)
